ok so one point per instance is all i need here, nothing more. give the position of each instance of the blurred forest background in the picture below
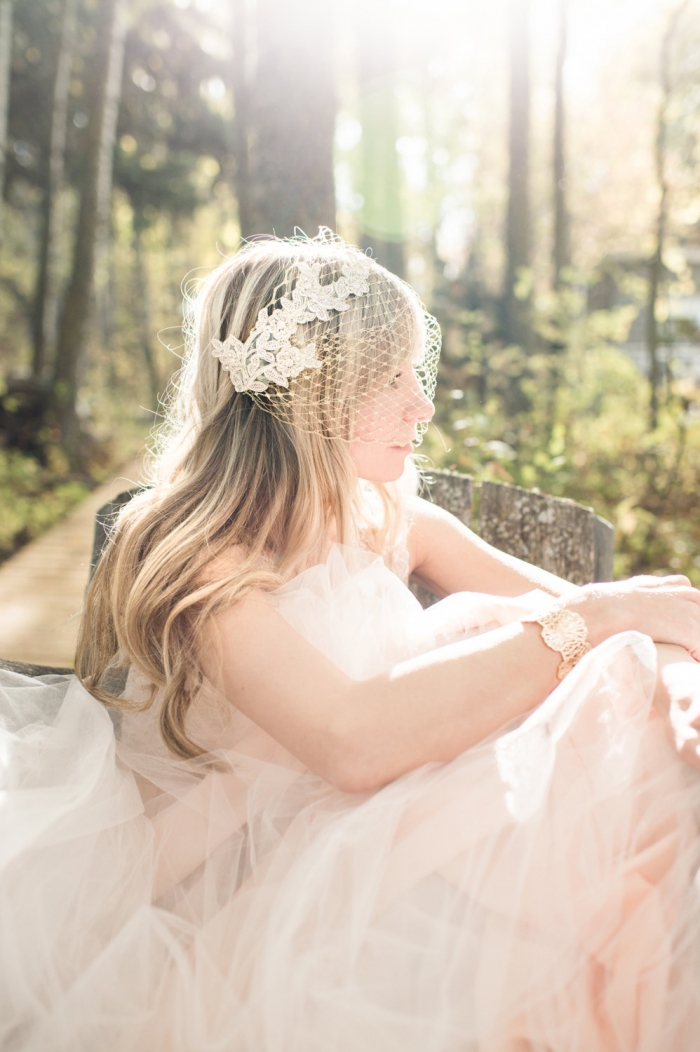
(530, 166)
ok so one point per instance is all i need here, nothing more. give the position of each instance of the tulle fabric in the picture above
(537, 893)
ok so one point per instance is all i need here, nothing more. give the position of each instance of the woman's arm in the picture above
(447, 557)
(360, 735)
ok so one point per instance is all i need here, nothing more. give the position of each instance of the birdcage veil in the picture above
(335, 336)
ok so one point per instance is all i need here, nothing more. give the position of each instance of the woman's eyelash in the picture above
(413, 372)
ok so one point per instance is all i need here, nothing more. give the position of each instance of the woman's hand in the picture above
(665, 608)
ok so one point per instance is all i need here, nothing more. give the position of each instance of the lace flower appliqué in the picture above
(269, 355)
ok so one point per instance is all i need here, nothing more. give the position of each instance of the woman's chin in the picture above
(379, 463)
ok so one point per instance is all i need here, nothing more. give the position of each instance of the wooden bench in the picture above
(556, 534)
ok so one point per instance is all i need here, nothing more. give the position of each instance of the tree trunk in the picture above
(5, 69)
(292, 119)
(142, 311)
(241, 118)
(105, 82)
(381, 217)
(45, 315)
(434, 190)
(656, 263)
(561, 254)
(105, 288)
(560, 243)
(517, 300)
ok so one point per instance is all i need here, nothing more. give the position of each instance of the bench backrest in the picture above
(552, 532)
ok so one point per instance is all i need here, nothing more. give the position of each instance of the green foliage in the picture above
(583, 434)
(166, 125)
(32, 498)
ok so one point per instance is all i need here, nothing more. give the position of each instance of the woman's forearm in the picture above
(474, 691)
(433, 707)
(360, 735)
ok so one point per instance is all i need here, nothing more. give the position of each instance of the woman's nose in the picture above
(419, 408)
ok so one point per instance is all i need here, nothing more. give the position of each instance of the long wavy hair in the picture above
(226, 472)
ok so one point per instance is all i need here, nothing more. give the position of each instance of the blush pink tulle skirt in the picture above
(538, 894)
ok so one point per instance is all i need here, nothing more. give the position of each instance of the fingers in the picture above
(649, 581)
(688, 624)
(691, 595)
(676, 585)
(665, 608)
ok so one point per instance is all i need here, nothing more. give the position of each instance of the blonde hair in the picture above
(227, 473)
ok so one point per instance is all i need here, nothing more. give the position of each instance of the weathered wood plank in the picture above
(551, 532)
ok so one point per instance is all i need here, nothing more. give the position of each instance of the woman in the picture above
(329, 820)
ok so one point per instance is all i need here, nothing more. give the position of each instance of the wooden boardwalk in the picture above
(42, 586)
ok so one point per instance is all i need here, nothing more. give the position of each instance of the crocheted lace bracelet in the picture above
(565, 632)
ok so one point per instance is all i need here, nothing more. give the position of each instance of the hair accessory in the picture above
(269, 355)
(566, 632)
(320, 336)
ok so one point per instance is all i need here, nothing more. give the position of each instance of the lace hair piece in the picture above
(268, 355)
(342, 347)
